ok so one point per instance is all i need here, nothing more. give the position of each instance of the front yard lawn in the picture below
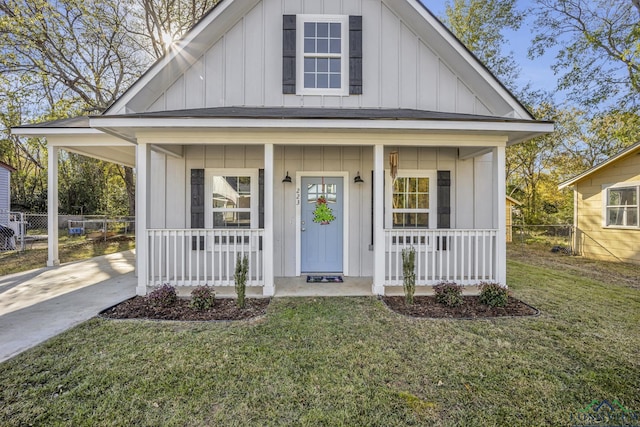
(343, 361)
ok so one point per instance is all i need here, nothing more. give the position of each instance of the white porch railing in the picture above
(194, 257)
(466, 257)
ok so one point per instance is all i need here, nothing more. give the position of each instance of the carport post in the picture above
(53, 258)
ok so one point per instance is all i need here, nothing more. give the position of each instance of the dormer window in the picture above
(322, 55)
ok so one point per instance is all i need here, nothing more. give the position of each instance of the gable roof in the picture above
(7, 167)
(635, 148)
(202, 35)
(514, 201)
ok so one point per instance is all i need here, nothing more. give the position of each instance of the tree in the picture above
(480, 25)
(78, 57)
(156, 24)
(598, 57)
(77, 49)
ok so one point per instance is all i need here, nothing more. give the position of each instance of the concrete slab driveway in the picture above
(39, 304)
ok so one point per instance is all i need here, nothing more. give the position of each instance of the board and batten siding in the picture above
(243, 67)
(170, 204)
(593, 239)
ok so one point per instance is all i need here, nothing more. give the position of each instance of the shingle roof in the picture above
(626, 151)
(286, 113)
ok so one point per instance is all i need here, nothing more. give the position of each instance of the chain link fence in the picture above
(21, 231)
(555, 238)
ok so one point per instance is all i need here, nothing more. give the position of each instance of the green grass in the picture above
(342, 361)
(71, 249)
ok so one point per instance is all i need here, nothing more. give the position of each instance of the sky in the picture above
(537, 71)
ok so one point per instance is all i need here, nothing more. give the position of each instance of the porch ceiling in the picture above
(125, 156)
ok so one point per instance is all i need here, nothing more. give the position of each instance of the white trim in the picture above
(500, 214)
(143, 192)
(379, 248)
(345, 221)
(412, 173)
(442, 125)
(605, 204)
(268, 238)
(344, 55)
(43, 131)
(209, 173)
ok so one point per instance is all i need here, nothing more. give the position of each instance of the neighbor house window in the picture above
(411, 199)
(621, 209)
(323, 56)
(233, 198)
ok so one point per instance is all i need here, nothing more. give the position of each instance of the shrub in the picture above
(203, 298)
(449, 294)
(408, 274)
(242, 267)
(165, 296)
(494, 295)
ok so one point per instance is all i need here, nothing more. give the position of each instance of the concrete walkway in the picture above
(39, 304)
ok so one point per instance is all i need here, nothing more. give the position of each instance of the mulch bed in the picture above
(472, 308)
(223, 309)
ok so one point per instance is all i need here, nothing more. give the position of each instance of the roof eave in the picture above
(35, 132)
(534, 128)
(627, 151)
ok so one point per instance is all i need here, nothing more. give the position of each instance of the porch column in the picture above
(500, 214)
(378, 220)
(267, 241)
(143, 160)
(52, 207)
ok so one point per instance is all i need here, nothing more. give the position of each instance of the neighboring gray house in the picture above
(266, 106)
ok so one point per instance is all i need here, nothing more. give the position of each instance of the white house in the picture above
(331, 95)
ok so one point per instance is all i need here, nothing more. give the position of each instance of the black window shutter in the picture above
(260, 198)
(355, 55)
(289, 54)
(197, 204)
(444, 199)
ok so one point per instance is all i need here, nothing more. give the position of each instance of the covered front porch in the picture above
(451, 211)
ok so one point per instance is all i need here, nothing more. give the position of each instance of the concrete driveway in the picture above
(39, 304)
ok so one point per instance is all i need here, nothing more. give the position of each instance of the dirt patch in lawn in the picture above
(472, 308)
(223, 309)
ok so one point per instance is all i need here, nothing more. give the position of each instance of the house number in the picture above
(298, 196)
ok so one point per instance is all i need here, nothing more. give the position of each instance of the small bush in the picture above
(494, 295)
(203, 298)
(240, 277)
(449, 294)
(165, 296)
(408, 274)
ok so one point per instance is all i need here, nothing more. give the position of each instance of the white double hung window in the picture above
(232, 198)
(411, 200)
(322, 57)
(621, 205)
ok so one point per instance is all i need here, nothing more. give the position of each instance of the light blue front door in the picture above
(321, 245)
